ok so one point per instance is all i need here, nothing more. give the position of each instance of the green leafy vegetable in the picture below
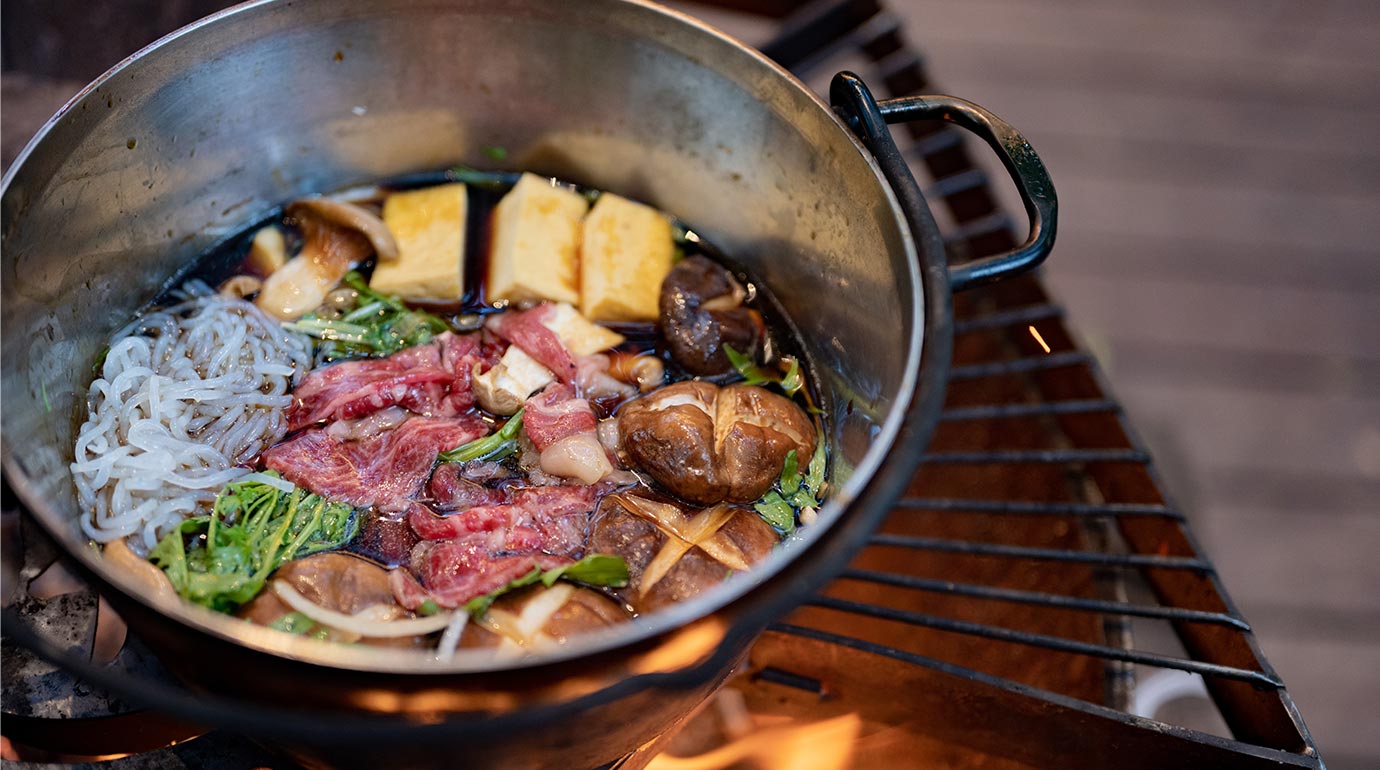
(791, 382)
(776, 511)
(794, 491)
(379, 324)
(223, 560)
(595, 570)
(495, 446)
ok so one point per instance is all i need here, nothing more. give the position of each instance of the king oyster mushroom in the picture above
(337, 237)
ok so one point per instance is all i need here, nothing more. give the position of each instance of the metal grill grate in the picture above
(1036, 494)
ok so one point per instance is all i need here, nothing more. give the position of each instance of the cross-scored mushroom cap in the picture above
(708, 444)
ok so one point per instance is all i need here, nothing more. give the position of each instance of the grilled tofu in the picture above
(429, 226)
(536, 243)
(625, 255)
(578, 334)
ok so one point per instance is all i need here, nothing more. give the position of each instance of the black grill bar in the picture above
(1002, 318)
(1038, 456)
(1057, 643)
(1019, 365)
(1036, 508)
(1060, 601)
(1000, 411)
(1050, 554)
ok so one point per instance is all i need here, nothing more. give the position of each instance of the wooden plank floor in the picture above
(1218, 248)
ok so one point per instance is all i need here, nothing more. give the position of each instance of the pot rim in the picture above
(661, 623)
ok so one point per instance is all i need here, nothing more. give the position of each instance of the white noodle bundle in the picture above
(186, 394)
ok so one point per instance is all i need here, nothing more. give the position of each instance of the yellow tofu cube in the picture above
(536, 240)
(429, 226)
(624, 258)
(578, 334)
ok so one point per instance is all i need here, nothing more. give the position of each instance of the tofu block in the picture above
(624, 258)
(577, 333)
(536, 240)
(503, 388)
(429, 226)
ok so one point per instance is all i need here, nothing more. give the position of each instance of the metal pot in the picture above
(213, 126)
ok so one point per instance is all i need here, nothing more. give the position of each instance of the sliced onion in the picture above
(373, 629)
(445, 649)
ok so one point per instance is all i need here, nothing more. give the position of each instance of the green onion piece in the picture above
(495, 153)
(776, 512)
(494, 446)
(428, 607)
(363, 312)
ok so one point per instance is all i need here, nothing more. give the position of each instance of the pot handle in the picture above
(868, 118)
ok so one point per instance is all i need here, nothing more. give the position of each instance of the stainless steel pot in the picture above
(215, 125)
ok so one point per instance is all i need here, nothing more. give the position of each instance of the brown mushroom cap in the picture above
(336, 581)
(617, 530)
(701, 308)
(708, 444)
(586, 610)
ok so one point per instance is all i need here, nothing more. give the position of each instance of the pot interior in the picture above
(214, 126)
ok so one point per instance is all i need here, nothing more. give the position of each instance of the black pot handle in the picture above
(868, 118)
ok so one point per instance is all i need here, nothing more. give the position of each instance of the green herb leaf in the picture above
(814, 475)
(790, 474)
(293, 623)
(489, 179)
(776, 512)
(379, 325)
(792, 382)
(595, 570)
(495, 153)
(480, 604)
(495, 446)
(222, 560)
(750, 371)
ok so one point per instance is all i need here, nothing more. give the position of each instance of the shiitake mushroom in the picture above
(707, 443)
(664, 569)
(701, 307)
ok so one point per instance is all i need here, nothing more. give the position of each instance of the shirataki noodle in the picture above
(194, 392)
